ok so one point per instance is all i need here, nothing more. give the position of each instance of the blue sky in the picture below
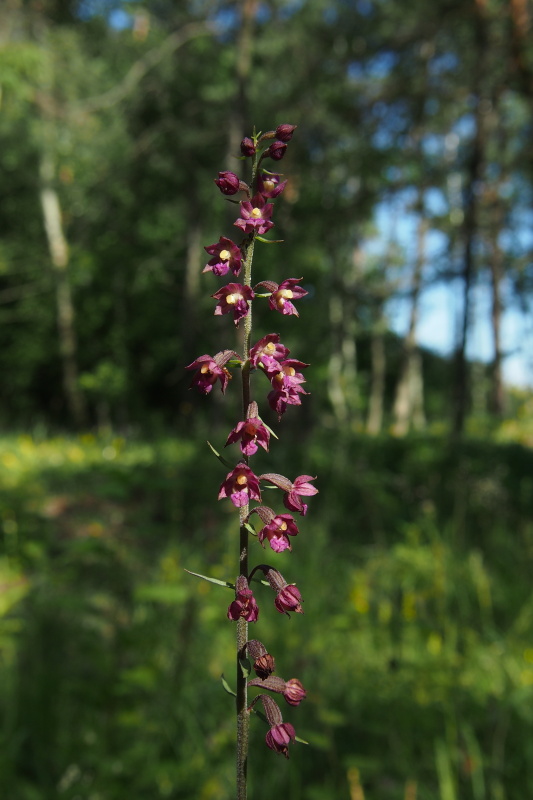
(441, 304)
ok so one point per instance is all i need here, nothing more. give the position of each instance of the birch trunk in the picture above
(59, 258)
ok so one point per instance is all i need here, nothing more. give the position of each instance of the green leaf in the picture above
(250, 528)
(269, 429)
(268, 241)
(227, 584)
(246, 667)
(226, 686)
(220, 458)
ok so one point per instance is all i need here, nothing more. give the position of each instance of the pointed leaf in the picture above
(270, 430)
(227, 584)
(226, 686)
(245, 666)
(250, 528)
(268, 241)
(220, 458)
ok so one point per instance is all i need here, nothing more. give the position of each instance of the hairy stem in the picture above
(243, 715)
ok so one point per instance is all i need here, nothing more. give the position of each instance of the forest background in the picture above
(411, 169)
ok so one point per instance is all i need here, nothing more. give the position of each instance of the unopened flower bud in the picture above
(285, 132)
(276, 151)
(279, 737)
(247, 147)
(264, 664)
(228, 182)
(244, 604)
(294, 692)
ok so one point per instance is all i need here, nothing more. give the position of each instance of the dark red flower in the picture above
(252, 433)
(284, 132)
(241, 486)
(277, 532)
(228, 182)
(286, 387)
(288, 599)
(209, 370)
(233, 299)
(226, 255)
(300, 488)
(280, 299)
(268, 352)
(279, 737)
(244, 604)
(269, 185)
(255, 215)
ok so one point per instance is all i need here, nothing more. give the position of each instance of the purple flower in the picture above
(280, 300)
(276, 151)
(279, 737)
(288, 599)
(244, 604)
(300, 488)
(241, 486)
(228, 182)
(247, 147)
(208, 372)
(255, 215)
(233, 298)
(277, 531)
(293, 690)
(286, 386)
(287, 373)
(226, 255)
(252, 433)
(284, 132)
(268, 352)
(269, 185)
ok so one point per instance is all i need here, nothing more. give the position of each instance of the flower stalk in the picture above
(241, 485)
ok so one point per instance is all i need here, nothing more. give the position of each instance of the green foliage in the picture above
(420, 668)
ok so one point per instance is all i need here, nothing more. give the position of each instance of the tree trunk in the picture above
(474, 172)
(377, 388)
(497, 398)
(408, 407)
(342, 365)
(59, 257)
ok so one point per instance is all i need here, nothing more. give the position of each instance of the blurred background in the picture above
(408, 212)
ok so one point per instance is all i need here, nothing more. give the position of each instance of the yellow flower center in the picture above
(270, 347)
(290, 371)
(283, 526)
(231, 299)
(256, 213)
(204, 368)
(225, 255)
(269, 185)
(287, 294)
(242, 480)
